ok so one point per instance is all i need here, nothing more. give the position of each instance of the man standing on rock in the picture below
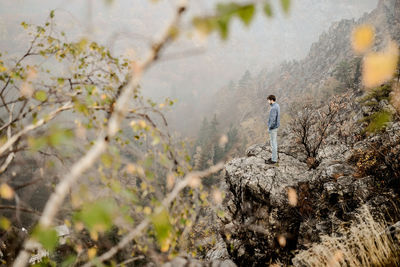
(273, 125)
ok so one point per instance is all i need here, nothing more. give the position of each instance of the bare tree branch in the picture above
(10, 156)
(33, 126)
(8, 207)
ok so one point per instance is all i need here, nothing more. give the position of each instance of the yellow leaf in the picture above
(67, 223)
(362, 38)
(170, 180)
(282, 240)
(94, 235)
(79, 226)
(147, 210)
(4, 223)
(143, 186)
(142, 123)
(165, 246)
(194, 181)
(292, 197)
(82, 43)
(26, 90)
(130, 168)
(92, 253)
(217, 196)
(223, 140)
(6, 191)
(379, 67)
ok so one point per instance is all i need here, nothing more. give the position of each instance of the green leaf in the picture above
(4, 223)
(52, 14)
(82, 44)
(59, 136)
(285, 5)
(37, 143)
(80, 107)
(268, 10)
(89, 88)
(60, 81)
(69, 261)
(162, 227)
(204, 25)
(24, 24)
(97, 216)
(223, 28)
(107, 160)
(149, 175)
(379, 121)
(48, 237)
(156, 140)
(148, 162)
(246, 14)
(40, 95)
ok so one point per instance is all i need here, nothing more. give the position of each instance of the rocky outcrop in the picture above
(275, 210)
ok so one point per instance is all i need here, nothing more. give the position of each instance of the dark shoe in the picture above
(270, 161)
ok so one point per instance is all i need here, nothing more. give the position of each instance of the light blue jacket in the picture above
(274, 116)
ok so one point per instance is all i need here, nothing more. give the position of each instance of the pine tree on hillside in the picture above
(357, 73)
(244, 82)
(214, 128)
(232, 138)
(203, 132)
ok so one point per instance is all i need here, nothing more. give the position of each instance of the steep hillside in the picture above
(245, 105)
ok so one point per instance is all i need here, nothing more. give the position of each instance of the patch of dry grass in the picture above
(364, 243)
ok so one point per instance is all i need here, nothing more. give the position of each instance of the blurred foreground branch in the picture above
(188, 179)
(57, 197)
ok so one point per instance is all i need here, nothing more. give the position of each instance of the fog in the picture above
(192, 69)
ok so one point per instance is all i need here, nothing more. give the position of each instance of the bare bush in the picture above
(312, 124)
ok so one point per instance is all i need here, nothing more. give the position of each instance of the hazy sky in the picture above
(127, 26)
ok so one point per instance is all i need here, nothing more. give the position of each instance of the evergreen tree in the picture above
(219, 153)
(232, 138)
(244, 82)
(357, 74)
(343, 73)
(214, 129)
(203, 132)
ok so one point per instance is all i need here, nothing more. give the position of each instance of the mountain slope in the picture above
(245, 106)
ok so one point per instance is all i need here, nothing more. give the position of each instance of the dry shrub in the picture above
(312, 124)
(366, 161)
(364, 243)
(379, 158)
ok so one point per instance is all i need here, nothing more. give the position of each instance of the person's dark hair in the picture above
(271, 97)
